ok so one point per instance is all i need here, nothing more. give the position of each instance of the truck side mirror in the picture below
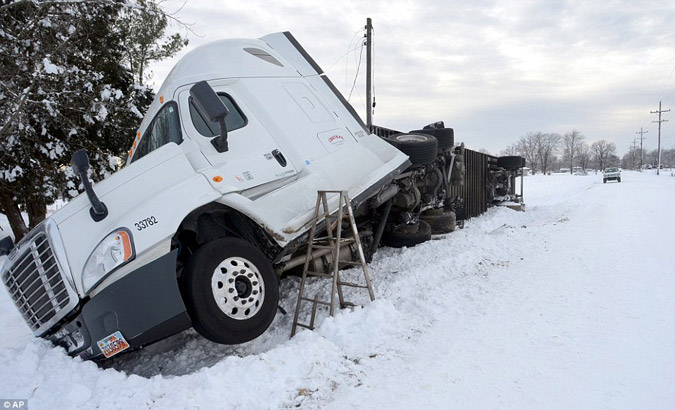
(210, 106)
(80, 164)
(6, 245)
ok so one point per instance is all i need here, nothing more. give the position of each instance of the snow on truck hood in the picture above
(108, 185)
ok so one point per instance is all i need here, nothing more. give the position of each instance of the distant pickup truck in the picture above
(611, 174)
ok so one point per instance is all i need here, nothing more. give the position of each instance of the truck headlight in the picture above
(114, 251)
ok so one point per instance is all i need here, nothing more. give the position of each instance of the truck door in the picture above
(254, 157)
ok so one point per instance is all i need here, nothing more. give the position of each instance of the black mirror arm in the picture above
(80, 164)
(98, 209)
(220, 142)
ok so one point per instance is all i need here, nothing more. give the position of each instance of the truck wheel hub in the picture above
(237, 287)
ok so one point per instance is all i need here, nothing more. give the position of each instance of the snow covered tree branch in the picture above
(66, 83)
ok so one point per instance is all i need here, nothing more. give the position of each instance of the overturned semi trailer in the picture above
(477, 181)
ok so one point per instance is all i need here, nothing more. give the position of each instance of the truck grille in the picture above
(36, 285)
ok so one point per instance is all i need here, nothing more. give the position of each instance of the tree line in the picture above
(71, 77)
(548, 152)
(637, 158)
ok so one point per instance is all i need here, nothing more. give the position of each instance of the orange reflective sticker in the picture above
(126, 243)
(217, 178)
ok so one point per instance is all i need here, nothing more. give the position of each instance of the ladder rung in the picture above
(351, 262)
(322, 247)
(305, 326)
(319, 274)
(344, 238)
(320, 302)
(342, 242)
(346, 304)
(353, 285)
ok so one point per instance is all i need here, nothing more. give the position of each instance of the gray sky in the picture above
(492, 70)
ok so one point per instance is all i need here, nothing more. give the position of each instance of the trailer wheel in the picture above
(445, 136)
(408, 235)
(421, 148)
(230, 291)
(440, 223)
(511, 163)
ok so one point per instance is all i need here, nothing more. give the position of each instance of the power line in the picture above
(665, 84)
(358, 68)
(349, 50)
(659, 111)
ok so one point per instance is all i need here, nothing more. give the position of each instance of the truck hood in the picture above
(163, 186)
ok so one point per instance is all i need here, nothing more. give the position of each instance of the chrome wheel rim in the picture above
(237, 287)
(412, 137)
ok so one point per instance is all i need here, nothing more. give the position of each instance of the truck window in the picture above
(164, 128)
(235, 118)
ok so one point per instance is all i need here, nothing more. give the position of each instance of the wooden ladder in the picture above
(333, 241)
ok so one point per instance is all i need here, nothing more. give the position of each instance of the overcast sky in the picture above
(492, 70)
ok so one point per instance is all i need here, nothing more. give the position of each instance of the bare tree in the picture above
(547, 145)
(668, 157)
(602, 151)
(584, 155)
(527, 147)
(510, 150)
(571, 144)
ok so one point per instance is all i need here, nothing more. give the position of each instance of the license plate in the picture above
(113, 344)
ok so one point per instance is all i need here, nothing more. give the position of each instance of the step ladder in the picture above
(333, 241)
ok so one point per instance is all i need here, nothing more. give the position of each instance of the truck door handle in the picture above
(279, 157)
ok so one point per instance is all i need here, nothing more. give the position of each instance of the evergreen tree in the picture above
(143, 30)
(62, 87)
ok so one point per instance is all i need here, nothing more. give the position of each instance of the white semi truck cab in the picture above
(216, 202)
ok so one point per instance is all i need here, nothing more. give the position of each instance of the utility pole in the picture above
(369, 73)
(633, 158)
(658, 167)
(641, 152)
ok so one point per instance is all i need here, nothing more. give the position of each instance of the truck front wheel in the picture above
(230, 291)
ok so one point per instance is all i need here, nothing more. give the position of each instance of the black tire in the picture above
(619, 179)
(408, 235)
(511, 163)
(254, 304)
(421, 148)
(440, 223)
(604, 181)
(445, 137)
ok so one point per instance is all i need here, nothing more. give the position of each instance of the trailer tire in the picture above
(445, 136)
(230, 291)
(420, 148)
(440, 223)
(408, 235)
(511, 163)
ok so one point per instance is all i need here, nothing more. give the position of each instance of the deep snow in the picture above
(569, 305)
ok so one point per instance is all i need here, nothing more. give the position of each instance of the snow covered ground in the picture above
(570, 305)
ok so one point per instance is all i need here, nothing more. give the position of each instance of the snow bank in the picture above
(568, 305)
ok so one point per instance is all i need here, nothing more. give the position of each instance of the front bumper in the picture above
(145, 306)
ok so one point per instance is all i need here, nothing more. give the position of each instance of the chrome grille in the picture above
(36, 284)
